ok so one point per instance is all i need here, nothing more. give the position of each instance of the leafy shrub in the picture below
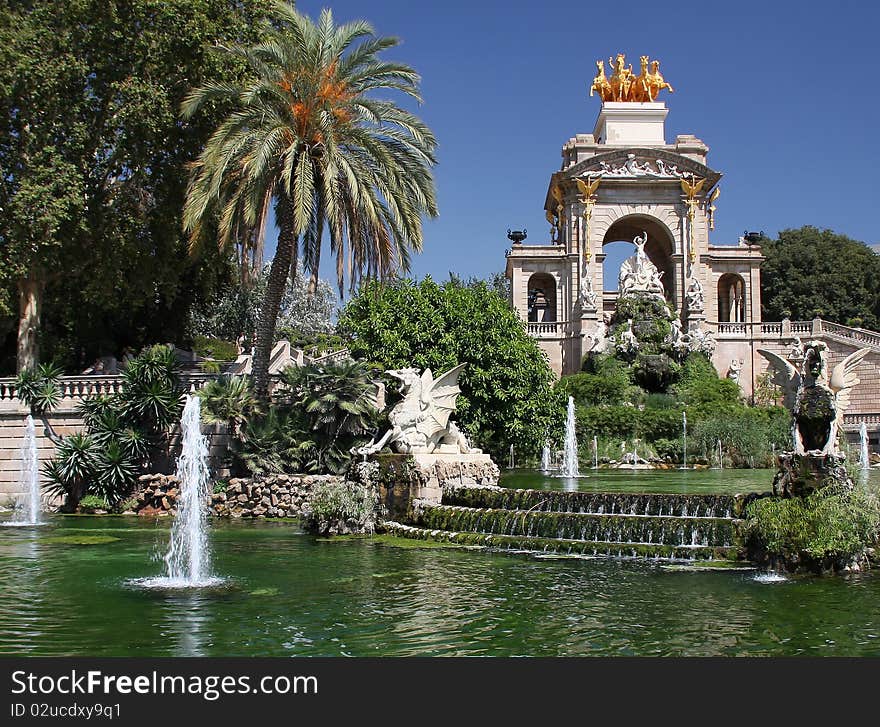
(90, 503)
(215, 348)
(749, 435)
(825, 529)
(341, 507)
(595, 389)
(274, 443)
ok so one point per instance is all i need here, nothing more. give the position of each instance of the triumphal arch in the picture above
(624, 182)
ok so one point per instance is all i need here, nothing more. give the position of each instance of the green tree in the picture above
(810, 272)
(507, 386)
(94, 163)
(309, 135)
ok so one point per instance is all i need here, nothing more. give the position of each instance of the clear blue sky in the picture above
(784, 93)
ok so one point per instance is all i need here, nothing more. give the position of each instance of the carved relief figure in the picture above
(694, 295)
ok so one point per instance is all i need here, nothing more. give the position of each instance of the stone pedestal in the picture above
(402, 479)
(631, 124)
(802, 474)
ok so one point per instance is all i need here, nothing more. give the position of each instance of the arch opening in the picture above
(731, 298)
(542, 298)
(659, 249)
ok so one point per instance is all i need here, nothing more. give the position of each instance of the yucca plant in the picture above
(69, 473)
(114, 472)
(309, 134)
(39, 389)
(277, 442)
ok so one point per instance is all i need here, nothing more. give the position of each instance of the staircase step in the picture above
(563, 545)
(638, 529)
(623, 503)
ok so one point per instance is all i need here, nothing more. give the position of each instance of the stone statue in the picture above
(694, 296)
(638, 274)
(677, 339)
(420, 422)
(628, 343)
(588, 299)
(734, 370)
(701, 341)
(816, 402)
(796, 353)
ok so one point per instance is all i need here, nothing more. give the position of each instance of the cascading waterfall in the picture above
(545, 457)
(188, 560)
(29, 477)
(570, 458)
(864, 456)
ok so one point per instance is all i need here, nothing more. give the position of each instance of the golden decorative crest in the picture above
(624, 85)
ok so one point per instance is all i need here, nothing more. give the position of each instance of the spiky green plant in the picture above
(38, 387)
(309, 133)
(339, 402)
(229, 400)
(69, 473)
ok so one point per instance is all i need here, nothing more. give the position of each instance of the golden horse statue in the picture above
(624, 85)
(656, 82)
(600, 83)
(639, 89)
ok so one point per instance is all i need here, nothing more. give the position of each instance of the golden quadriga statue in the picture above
(624, 85)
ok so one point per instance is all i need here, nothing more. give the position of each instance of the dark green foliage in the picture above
(123, 430)
(507, 386)
(811, 273)
(215, 348)
(275, 442)
(94, 161)
(92, 503)
(338, 401)
(609, 383)
(823, 530)
(229, 400)
(748, 434)
(699, 384)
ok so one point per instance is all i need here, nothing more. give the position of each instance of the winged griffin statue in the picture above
(420, 422)
(816, 403)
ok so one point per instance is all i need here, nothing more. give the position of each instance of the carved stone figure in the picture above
(694, 296)
(638, 274)
(734, 370)
(420, 421)
(817, 403)
(677, 339)
(702, 341)
(588, 299)
(796, 353)
(628, 343)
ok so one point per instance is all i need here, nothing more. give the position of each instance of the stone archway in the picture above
(659, 248)
(542, 298)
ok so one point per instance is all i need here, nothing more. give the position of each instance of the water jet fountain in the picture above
(28, 478)
(545, 457)
(864, 455)
(188, 559)
(570, 458)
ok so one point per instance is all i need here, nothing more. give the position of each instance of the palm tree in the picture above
(308, 135)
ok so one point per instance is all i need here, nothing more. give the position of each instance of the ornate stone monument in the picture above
(431, 450)
(817, 404)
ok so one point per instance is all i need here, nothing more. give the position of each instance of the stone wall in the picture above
(272, 496)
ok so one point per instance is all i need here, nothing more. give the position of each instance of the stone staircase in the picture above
(662, 527)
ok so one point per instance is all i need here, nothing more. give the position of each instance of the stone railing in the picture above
(855, 419)
(548, 329)
(342, 354)
(83, 386)
(857, 335)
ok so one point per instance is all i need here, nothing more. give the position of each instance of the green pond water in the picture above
(288, 593)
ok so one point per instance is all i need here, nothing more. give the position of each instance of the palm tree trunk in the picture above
(282, 264)
(30, 291)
